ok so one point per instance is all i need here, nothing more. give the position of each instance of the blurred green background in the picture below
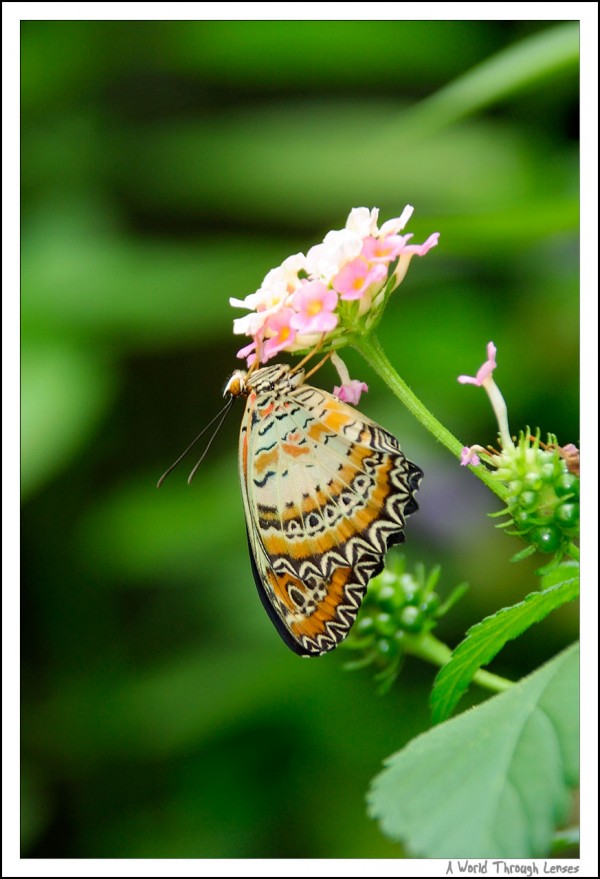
(165, 167)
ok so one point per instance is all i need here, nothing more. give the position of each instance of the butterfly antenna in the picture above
(310, 354)
(318, 366)
(225, 412)
(222, 414)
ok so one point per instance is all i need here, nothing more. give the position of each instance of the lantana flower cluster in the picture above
(338, 287)
(542, 478)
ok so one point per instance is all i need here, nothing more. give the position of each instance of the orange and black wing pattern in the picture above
(326, 493)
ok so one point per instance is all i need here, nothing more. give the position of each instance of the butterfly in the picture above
(326, 493)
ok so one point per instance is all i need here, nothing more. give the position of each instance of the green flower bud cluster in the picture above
(544, 500)
(400, 607)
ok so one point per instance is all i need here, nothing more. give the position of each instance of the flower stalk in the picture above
(430, 649)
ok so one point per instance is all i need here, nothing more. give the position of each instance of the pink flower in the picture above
(356, 277)
(484, 378)
(421, 249)
(314, 304)
(297, 305)
(570, 453)
(569, 450)
(484, 372)
(351, 392)
(468, 457)
(410, 250)
(249, 352)
(281, 334)
(378, 250)
(350, 389)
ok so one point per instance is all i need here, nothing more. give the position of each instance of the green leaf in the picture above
(493, 782)
(561, 574)
(487, 638)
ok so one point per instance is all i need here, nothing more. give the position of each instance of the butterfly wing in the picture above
(326, 493)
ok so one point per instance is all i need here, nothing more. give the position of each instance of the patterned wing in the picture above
(326, 493)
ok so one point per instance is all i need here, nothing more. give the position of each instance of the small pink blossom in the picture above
(249, 352)
(350, 389)
(422, 249)
(281, 334)
(314, 304)
(570, 453)
(356, 277)
(351, 392)
(484, 378)
(484, 372)
(469, 457)
(385, 250)
(569, 450)
(410, 250)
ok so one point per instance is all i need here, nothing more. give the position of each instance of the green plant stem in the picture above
(573, 551)
(370, 348)
(428, 647)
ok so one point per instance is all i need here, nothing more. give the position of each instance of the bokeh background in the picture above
(165, 167)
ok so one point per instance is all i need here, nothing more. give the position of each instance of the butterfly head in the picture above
(236, 385)
(278, 377)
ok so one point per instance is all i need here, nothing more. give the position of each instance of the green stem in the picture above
(428, 647)
(370, 348)
(573, 551)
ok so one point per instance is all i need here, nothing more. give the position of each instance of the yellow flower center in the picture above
(315, 307)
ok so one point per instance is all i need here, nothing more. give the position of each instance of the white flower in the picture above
(276, 286)
(267, 300)
(363, 221)
(285, 276)
(247, 302)
(392, 227)
(323, 261)
(250, 324)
